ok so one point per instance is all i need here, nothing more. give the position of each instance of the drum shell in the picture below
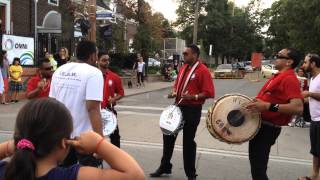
(220, 128)
(171, 121)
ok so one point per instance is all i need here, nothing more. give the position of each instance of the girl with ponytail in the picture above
(41, 142)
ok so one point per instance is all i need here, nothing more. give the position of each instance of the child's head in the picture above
(16, 61)
(45, 123)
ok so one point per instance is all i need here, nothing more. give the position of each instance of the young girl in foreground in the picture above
(41, 142)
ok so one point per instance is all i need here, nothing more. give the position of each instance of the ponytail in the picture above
(22, 166)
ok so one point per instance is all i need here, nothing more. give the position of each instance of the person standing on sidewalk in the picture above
(4, 67)
(15, 83)
(312, 64)
(198, 87)
(79, 86)
(278, 100)
(39, 85)
(1, 85)
(141, 68)
(112, 91)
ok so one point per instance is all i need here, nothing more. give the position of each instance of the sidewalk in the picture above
(149, 86)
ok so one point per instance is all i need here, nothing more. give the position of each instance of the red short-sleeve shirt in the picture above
(112, 86)
(287, 88)
(200, 82)
(33, 84)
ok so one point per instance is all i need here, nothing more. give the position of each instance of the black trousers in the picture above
(140, 77)
(74, 157)
(259, 150)
(191, 116)
(115, 136)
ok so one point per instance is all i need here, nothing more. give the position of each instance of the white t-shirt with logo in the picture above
(73, 84)
(313, 103)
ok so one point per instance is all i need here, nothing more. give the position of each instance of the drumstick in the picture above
(181, 99)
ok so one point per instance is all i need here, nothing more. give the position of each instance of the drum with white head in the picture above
(171, 120)
(109, 121)
(228, 121)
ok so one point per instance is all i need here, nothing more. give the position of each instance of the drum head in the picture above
(109, 122)
(229, 122)
(171, 120)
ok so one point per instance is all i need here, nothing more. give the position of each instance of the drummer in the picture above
(198, 87)
(278, 100)
(112, 91)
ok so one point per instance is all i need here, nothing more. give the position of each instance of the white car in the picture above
(153, 62)
(268, 70)
(225, 71)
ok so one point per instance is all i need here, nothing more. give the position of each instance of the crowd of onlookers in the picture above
(11, 83)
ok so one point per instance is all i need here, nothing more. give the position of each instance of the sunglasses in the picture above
(281, 57)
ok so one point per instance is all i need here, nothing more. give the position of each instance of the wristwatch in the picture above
(274, 107)
(196, 97)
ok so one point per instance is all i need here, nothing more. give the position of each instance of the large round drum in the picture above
(109, 122)
(228, 121)
(171, 120)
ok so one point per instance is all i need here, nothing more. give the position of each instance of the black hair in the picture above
(314, 58)
(16, 59)
(295, 56)
(3, 52)
(44, 122)
(42, 61)
(85, 49)
(195, 49)
(102, 53)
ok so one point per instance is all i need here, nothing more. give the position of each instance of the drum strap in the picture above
(182, 88)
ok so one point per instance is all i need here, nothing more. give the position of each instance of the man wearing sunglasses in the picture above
(312, 64)
(278, 100)
(192, 87)
(39, 85)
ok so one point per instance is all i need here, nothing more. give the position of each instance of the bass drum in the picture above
(229, 122)
(109, 122)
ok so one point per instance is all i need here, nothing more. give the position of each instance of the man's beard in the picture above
(104, 66)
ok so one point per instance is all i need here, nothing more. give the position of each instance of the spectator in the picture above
(63, 56)
(42, 140)
(53, 62)
(139, 66)
(39, 85)
(1, 85)
(4, 68)
(15, 84)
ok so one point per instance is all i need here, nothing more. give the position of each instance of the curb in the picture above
(147, 91)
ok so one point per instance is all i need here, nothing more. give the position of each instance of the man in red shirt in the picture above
(112, 91)
(278, 100)
(39, 85)
(192, 87)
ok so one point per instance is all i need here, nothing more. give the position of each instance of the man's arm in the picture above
(314, 95)
(295, 106)
(93, 108)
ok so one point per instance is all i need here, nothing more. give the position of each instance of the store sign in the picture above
(18, 46)
(104, 15)
(54, 2)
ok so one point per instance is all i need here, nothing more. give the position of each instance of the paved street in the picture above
(138, 116)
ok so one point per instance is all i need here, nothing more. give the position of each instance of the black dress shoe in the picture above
(192, 178)
(160, 171)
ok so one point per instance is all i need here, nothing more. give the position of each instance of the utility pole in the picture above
(35, 32)
(92, 19)
(195, 26)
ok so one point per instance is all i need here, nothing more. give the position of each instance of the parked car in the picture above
(248, 68)
(268, 70)
(226, 71)
(153, 62)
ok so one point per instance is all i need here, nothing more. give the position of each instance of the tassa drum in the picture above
(228, 121)
(171, 120)
(109, 121)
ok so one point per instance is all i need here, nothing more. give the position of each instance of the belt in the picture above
(267, 123)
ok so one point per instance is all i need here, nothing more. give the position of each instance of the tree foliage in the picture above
(294, 23)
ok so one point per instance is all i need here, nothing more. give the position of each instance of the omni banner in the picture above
(18, 46)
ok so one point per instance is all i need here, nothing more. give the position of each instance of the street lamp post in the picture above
(92, 19)
(195, 26)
